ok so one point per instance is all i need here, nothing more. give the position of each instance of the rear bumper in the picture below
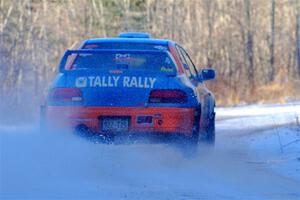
(165, 119)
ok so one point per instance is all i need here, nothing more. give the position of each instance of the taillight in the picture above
(65, 95)
(167, 96)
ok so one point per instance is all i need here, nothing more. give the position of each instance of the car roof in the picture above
(128, 40)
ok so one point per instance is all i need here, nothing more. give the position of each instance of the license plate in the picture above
(115, 124)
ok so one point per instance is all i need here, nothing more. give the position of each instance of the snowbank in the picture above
(278, 149)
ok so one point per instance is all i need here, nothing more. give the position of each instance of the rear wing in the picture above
(66, 63)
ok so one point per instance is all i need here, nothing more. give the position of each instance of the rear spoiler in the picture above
(64, 59)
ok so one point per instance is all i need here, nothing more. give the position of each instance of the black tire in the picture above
(195, 137)
(210, 133)
(196, 128)
(84, 132)
(190, 144)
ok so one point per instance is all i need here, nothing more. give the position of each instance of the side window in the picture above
(189, 62)
(185, 64)
(186, 60)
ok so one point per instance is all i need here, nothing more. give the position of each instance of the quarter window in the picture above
(185, 65)
(186, 60)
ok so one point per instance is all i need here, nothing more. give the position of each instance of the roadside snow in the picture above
(278, 149)
(248, 119)
(260, 115)
(259, 110)
(270, 132)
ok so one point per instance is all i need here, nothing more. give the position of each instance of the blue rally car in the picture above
(132, 85)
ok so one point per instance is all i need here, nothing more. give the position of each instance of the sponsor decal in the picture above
(81, 82)
(166, 69)
(116, 71)
(115, 81)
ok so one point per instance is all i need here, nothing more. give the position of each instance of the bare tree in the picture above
(297, 35)
(249, 42)
(249, 46)
(272, 41)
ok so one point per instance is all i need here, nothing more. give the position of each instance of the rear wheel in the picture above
(208, 137)
(85, 132)
(211, 132)
(190, 144)
(195, 137)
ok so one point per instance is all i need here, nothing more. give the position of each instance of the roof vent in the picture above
(134, 35)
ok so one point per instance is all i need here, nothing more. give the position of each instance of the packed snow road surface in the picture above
(54, 165)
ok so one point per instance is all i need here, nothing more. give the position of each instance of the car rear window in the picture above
(153, 61)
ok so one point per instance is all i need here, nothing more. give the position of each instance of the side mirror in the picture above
(208, 74)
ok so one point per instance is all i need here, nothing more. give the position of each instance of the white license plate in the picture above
(115, 124)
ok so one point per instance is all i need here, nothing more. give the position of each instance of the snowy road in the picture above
(37, 165)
